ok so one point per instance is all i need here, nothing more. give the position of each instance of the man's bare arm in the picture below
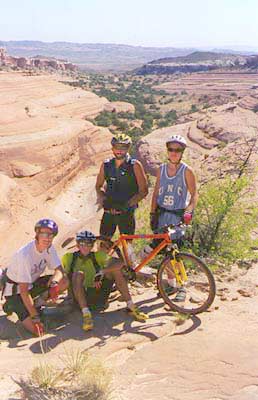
(192, 187)
(155, 193)
(142, 182)
(99, 186)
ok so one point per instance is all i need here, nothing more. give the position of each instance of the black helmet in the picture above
(47, 223)
(121, 138)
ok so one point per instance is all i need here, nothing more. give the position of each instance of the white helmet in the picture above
(85, 236)
(177, 139)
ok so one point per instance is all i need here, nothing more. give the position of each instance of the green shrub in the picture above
(193, 108)
(222, 224)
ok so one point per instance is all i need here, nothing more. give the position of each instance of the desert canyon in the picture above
(50, 153)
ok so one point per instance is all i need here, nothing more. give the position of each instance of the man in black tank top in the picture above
(125, 184)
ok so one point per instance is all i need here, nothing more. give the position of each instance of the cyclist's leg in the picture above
(114, 271)
(108, 225)
(15, 304)
(116, 266)
(126, 223)
(80, 297)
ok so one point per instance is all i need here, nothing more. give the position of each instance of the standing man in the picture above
(126, 185)
(24, 281)
(175, 194)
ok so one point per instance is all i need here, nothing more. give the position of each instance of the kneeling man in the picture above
(24, 281)
(92, 275)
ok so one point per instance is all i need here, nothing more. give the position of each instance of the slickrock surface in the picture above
(45, 140)
(210, 356)
(119, 106)
(207, 134)
(213, 83)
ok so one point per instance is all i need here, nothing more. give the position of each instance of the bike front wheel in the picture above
(195, 287)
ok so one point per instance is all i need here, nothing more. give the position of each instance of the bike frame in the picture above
(123, 239)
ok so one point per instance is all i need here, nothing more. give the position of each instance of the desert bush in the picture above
(255, 108)
(222, 223)
(193, 108)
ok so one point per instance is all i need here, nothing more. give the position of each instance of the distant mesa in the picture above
(199, 61)
(38, 62)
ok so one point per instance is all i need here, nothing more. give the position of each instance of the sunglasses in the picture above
(84, 244)
(177, 150)
(46, 235)
(121, 147)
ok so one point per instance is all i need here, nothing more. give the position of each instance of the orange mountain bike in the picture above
(191, 275)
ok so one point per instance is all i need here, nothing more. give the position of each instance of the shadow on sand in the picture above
(108, 325)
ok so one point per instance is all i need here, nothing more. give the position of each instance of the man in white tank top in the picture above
(175, 194)
(174, 197)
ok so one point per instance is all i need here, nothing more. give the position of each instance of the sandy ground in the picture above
(211, 356)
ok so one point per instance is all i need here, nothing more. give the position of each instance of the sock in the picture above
(172, 282)
(85, 310)
(130, 304)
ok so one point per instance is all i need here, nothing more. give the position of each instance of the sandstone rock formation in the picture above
(119, 106)
(35, 62)
(199, 61)
(207, 137)
(45, 140)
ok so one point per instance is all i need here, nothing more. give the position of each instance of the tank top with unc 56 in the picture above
(173, 194)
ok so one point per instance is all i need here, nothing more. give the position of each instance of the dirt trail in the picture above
(212, 356)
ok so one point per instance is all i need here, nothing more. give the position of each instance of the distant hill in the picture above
(199, 56)
(93, 56)
(199, 61)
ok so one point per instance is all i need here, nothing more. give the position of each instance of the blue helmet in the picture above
(85, 236)
(46, 223)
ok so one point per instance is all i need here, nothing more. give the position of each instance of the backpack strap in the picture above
(90, 256)
(76, 254)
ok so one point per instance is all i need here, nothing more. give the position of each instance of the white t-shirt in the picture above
(28, 264)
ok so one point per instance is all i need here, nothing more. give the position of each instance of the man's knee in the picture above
(77, 278)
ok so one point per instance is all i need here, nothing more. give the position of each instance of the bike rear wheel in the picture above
(197, 284)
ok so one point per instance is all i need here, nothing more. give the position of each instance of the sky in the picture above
(174, 23)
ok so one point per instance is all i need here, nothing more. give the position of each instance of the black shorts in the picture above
(97, 298)
(15, 304)
(124, 221)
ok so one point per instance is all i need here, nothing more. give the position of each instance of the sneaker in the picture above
(181, 295)
(87, 323)
(170, 290)
(137, 314)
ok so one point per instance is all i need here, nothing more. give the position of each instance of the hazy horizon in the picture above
(222, 24)
(201, 48)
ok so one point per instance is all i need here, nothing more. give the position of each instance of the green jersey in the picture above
(86, 265)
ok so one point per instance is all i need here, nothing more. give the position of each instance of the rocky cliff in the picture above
(211, 135)
(45, 141)
(38, 62)
(199, 62)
